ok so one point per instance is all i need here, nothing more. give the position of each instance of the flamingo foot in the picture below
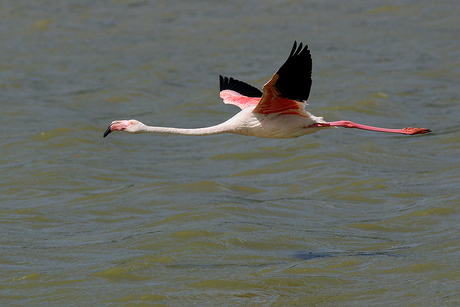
(413, 130)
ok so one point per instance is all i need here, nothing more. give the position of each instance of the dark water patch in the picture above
(308, 255)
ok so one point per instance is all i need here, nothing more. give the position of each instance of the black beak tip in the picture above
(106, 133)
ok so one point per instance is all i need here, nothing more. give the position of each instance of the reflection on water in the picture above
(339, 217)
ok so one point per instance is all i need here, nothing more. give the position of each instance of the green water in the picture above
(337, 218)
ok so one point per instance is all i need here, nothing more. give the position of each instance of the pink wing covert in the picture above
(273, 101)
(285, 93)
(239, 93)
(235, 98)
(289, 88)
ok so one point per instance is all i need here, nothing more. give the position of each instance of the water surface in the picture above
(339, 218)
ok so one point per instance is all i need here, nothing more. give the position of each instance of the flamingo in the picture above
(276, 112)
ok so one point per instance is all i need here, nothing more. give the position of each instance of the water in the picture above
(338, 218)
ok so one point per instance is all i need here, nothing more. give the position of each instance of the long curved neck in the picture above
(217, 129)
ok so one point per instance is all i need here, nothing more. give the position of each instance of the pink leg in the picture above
(348, 124)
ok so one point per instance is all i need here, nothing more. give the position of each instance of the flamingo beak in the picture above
(106, 133)
(116, 126)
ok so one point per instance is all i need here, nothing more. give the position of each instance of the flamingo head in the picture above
(130, 126)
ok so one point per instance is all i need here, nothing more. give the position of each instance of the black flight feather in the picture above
(239, 86)
(294, 81)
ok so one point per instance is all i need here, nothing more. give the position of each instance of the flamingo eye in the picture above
(131, 122)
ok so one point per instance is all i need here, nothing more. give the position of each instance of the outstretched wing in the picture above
(289, 88)
(238, 93)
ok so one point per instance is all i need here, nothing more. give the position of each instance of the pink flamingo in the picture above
(277, 112)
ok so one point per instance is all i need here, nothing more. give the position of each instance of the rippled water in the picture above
(338, 218)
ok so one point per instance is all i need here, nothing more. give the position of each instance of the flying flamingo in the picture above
(276, 112)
